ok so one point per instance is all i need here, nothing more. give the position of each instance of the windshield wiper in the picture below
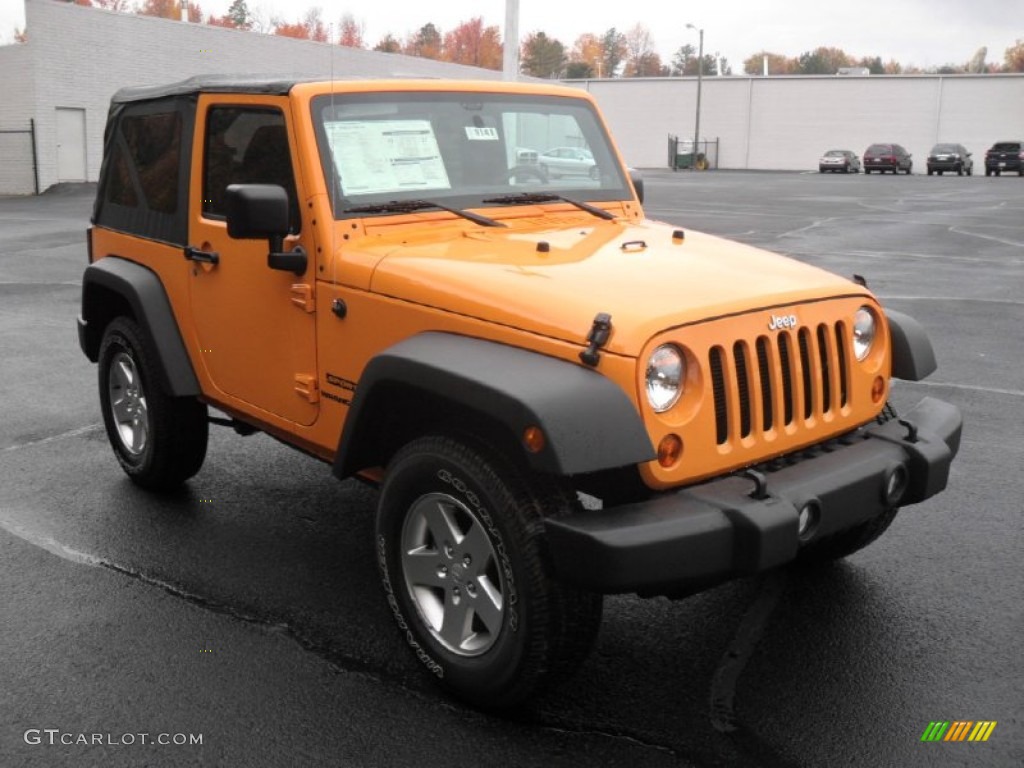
(409, 206)
(528, 198)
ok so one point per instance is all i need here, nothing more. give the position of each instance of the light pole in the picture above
(700, 82)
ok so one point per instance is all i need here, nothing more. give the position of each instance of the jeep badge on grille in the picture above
(778, 322)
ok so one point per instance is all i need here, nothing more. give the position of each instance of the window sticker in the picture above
(476, 133)
(381, 156)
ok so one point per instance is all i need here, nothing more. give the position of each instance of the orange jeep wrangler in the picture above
(558, 397)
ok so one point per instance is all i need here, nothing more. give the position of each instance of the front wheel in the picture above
(461, 554)
(159, 440)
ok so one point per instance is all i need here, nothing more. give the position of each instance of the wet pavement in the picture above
(247, 607)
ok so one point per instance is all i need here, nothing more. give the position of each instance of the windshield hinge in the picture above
(302, 296)
(597, 338)
(306, 387)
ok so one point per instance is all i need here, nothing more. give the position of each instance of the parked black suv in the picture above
(887, 157)
(950, 157)
(1005, 156)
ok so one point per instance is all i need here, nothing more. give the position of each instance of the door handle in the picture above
(206, 257)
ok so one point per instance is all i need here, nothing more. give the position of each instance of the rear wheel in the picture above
(159, 440)
(461, 553)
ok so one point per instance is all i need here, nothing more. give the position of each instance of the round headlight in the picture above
(864, 327)
(665, 372)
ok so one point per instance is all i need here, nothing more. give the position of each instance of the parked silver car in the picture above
(568, 161)
(839, 160)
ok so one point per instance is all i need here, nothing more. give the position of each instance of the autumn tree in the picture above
(351, 34)
(777, 64)
(586, 58)
(684, 61)
(310, 28)
(239, 15)
(474, 44)
(872, 64)
(613, 44)
(425, 43)
(822, 61)
(1014, 57)
(164, 9)
(543, 56)
(640, 52)
(578, 70)
(388, 44)
(20, 36)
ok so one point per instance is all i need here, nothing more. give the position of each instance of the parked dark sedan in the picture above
(950, 157)
(887, 157)
(839, 160)
(1005, 156)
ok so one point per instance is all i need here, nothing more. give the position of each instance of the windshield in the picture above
(944, 148)
(461, 149)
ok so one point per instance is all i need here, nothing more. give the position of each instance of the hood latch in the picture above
(597, 338)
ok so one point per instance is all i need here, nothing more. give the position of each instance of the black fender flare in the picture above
(111, 279)
(588, 421)
(913, 357)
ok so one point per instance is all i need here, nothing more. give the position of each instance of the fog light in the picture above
(808, 520)
(895, 486)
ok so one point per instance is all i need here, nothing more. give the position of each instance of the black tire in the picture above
(960, 170)
(998, 173)
(970, 171)
(845, 543)
(159, 440)
(495, 654)
(867, 171)
(930, 172)
(988, 172)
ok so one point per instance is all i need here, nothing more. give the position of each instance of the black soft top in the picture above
(277, 85)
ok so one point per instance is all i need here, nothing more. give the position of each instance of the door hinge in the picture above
(302, 297)
(305, 386)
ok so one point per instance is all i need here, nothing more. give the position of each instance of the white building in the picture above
(75, 58)
(787, 123)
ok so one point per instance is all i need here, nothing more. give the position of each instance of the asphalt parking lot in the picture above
(247, 608)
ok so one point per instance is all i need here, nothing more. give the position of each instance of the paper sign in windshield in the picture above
(381, 156)
(481, 133)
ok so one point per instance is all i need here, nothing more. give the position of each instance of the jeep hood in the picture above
(554, 281)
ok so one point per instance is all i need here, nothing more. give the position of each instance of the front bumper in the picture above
(691, 539)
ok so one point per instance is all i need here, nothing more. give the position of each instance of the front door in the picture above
(70, 144)
(255, 325)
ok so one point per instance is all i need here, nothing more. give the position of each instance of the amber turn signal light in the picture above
(669, 450)
(534, 439)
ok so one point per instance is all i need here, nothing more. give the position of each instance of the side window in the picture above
(246, 145)
(146, 162)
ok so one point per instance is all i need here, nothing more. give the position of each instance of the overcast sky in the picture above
(924, 33)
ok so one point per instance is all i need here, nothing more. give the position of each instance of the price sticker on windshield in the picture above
(477, 133)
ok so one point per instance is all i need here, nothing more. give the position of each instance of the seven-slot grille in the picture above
(779, 381)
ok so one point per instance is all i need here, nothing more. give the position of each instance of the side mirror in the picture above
(638, 184)
(257, 211)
